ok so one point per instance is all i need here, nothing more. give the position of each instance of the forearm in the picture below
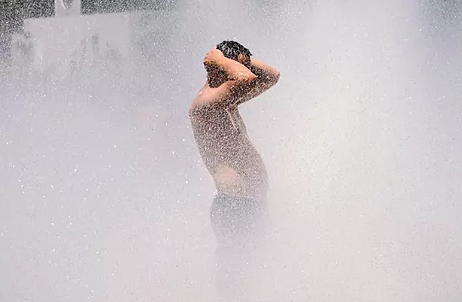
(264, 71)
(235, 70)
(267, 77)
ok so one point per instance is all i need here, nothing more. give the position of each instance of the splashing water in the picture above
(105, 198)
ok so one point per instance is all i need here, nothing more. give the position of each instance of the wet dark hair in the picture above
(232, 49)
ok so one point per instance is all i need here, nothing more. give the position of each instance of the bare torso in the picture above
(227, 152)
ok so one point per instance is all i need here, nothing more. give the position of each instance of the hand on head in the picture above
(212, 57)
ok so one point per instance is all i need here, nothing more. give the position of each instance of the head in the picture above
(235, 51)
(231, 50)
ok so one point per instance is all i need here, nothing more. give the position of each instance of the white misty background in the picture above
(104, 196)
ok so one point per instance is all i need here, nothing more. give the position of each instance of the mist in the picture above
(104, 196)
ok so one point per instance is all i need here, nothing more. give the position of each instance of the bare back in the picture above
(227, 151)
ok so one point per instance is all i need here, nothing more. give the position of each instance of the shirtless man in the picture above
(241, 180)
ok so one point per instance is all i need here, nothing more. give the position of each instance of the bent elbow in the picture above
(276, 77)
(272, 78)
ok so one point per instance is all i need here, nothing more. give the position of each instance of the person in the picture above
(238, 211)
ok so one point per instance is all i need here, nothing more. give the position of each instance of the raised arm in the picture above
(234, 71)
(266, 77)
(227, 81)
(266, 73)
(231, 83)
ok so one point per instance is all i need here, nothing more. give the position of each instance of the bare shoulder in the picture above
(209, 97)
